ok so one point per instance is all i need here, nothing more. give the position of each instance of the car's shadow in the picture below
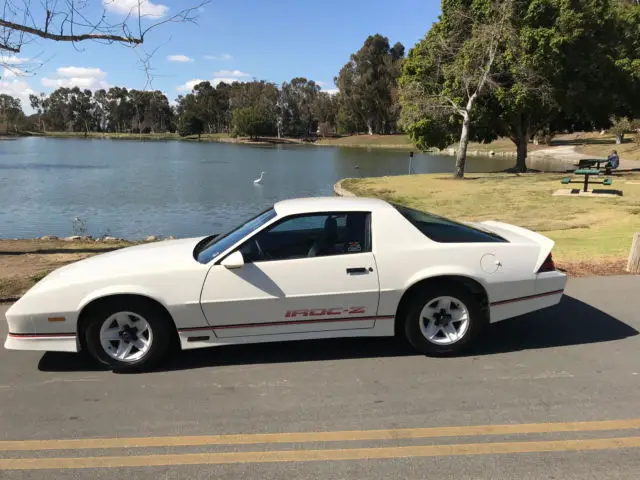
(572, 322)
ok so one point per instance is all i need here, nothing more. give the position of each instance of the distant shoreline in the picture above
(382, 142)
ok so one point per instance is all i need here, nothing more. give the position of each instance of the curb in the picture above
(340, 191)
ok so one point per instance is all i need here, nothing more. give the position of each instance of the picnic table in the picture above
(590, 162)
(587, 172)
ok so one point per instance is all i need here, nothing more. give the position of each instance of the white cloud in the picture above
(12, 60)
(188, 86)
(18, 88)
(230, 74)
(82, 77)
(9, 73)
(80, 72)
(179, 58)
(130, 7)
(323, 86)
(224, 57)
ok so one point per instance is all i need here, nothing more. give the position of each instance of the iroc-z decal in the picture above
(321, 312)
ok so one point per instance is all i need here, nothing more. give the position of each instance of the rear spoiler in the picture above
(516, 234)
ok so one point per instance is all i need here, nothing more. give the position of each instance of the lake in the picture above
(132, 189)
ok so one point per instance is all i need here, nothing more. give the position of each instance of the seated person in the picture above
(613, 162)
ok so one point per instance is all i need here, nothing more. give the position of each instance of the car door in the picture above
(303, 274)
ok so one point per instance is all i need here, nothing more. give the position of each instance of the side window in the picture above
(313, 235)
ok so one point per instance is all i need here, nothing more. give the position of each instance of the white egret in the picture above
(258, 181)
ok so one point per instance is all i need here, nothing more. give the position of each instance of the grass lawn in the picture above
(601, 145)
(584, 229)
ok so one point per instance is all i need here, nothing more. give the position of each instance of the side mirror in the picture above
(235, 260)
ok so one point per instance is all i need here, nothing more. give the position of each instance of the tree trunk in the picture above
(521, 159)
(461, 158)
(619, 138)
(370, 127)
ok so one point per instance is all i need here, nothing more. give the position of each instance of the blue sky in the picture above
(274, 40)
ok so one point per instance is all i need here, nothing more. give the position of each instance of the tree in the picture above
(83, 111)
(77, 21)
(11, 112)
(325, 109)
(548, 63)
(119, 109)
(627, 55)
(620, 127)
(253, 121)
(447, 73)
(296, 103)
(541, 77)
(39, 104)
(366, 85)
(190, 124)
(100, 109)
(324, 129)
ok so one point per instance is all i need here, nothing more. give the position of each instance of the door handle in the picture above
(356, 271)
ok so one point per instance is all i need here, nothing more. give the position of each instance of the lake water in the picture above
(132, 189)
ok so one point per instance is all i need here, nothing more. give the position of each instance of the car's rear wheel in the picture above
(444, 320)
(134, 335)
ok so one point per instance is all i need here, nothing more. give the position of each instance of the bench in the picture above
(587, 173)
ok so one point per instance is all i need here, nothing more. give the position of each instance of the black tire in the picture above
(476, 323)
(160, 324)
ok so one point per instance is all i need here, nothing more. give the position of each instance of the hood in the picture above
(146, 258)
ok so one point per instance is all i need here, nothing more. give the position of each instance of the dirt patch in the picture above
(25, 262)
(590, 268)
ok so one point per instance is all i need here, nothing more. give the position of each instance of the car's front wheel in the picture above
(444, 320)
(128, 336)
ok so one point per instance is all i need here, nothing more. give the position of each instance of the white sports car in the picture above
(303, 269)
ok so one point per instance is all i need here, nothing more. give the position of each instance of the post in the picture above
(410, 158)
(634, 257)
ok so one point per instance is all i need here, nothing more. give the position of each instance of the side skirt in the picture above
(190, 339)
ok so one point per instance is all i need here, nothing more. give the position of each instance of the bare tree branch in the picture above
(9, 48)
(67, 22)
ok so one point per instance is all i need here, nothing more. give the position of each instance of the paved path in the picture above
(538, 374)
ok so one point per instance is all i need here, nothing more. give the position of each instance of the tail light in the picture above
(548, 265)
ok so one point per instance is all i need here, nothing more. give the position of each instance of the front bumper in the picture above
(31, 329)
(47, 343)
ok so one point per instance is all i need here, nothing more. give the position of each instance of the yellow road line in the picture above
(318, 455)
(303, 437)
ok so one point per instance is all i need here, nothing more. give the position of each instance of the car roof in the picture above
(297, 206)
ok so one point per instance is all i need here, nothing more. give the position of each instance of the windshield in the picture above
(218, 244)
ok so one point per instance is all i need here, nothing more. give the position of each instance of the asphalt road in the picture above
(368, 408)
